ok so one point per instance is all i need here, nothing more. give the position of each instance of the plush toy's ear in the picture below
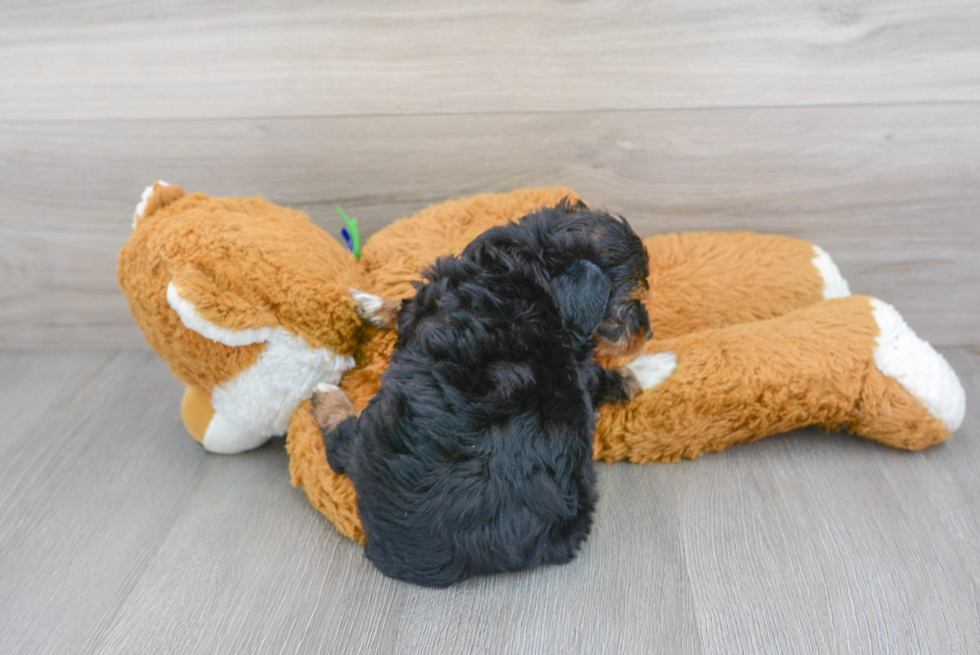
(215, 313)
(581, 293)
(379, 312)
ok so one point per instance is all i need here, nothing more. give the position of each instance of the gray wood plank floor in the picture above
(119, 534)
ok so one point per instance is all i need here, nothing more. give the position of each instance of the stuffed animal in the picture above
(753, 334)
(249, 304)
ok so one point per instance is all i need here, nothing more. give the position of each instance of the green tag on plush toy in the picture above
(350, 234)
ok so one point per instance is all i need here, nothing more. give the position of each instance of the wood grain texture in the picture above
(826, 543)
(76, 59)
(893, 193)
(85, 463)
(119, 534)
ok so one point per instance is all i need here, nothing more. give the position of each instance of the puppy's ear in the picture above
(581, 294)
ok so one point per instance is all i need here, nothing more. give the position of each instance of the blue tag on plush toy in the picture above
(350, 234)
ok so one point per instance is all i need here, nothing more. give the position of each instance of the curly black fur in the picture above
(475, 456)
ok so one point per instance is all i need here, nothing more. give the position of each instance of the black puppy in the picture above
(476, 454)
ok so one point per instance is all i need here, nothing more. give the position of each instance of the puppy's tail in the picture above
(338, 443)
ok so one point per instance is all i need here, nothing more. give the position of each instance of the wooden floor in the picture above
(854, 124)
(119, 534)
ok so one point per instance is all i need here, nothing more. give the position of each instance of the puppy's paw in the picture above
(629, 383)
(379, 312)
(331, 406)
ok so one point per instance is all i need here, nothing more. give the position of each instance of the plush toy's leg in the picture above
(846, 363)
(216, 432)
(331, 493)
(276, 371)
(703, 280)
(196, 411)
(226, 436)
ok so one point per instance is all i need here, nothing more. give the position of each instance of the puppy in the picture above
(475, 456)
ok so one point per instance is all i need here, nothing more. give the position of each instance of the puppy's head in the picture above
(602, 290)
(624, 261)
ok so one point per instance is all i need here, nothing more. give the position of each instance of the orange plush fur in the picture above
(257, 283)
(811, 366)
(751, 336)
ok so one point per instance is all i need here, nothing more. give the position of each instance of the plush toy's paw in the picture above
(379, 312)
(226, 437)
(212, 429)
(909, 395)
(331, 406)
(918, 367)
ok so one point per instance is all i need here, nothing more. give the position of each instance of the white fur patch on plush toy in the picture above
(834, 284)
(651, 370)
(260, 400)
(225, 437)
(265, 395)
(918, 367)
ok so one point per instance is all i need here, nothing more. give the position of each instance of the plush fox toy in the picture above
(753, 334)
(249, 303)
